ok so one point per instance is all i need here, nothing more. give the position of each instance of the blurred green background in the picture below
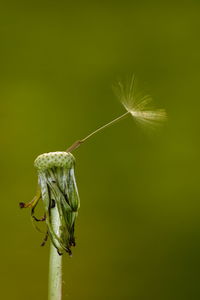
(138, 231)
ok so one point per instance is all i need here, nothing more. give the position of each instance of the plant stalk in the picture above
(55, 263)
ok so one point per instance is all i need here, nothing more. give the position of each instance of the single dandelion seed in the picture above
(136, 105)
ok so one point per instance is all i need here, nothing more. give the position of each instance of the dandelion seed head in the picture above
(139, 105)
(53, 159)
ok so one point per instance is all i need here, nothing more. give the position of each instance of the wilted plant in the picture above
(57, 185)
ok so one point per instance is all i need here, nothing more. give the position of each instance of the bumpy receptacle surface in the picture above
(54, 159)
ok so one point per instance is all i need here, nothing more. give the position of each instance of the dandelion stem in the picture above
(79, 142)
(55, 263)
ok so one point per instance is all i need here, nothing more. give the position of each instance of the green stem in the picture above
(55, 263)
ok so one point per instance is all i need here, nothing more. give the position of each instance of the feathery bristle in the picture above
(138, 105)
